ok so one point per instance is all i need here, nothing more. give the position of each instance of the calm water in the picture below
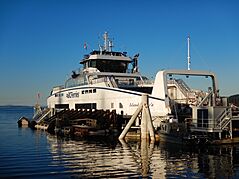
(25, 153)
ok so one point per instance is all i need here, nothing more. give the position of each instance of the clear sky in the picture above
(41, 42)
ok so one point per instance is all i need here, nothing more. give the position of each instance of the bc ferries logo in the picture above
(72, 95)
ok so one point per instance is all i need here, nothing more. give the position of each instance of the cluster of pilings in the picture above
(146, 127)
(104, 119)
(78, 122)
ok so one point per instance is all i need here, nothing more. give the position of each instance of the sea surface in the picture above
(27, 153)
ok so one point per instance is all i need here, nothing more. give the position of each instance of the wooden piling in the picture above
(146, 126)
(131, 121)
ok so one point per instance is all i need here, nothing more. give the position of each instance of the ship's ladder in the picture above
(224, 119)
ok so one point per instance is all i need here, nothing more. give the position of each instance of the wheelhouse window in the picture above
(80, 80)
(109, 65)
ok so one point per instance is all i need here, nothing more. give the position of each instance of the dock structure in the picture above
(77, 122)
(146, 126)
(206, 116)
(83, 122)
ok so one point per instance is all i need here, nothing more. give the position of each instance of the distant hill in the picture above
(234, 99)
(15, 106)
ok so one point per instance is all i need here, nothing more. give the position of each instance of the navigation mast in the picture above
(189, 62)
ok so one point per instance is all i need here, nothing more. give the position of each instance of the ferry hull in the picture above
(125, 102)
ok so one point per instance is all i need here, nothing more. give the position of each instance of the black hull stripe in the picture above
(110, 89)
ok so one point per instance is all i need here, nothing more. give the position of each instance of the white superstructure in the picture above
(106, 82)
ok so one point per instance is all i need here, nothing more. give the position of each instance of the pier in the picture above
(81, 122)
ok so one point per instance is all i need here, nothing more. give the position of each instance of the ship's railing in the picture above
(110, 81)
(72, 82)
(205, 124)
(210, 124)
(224, 118)
(183, 87)
(98, 80)
(143, 82)
(114, 82)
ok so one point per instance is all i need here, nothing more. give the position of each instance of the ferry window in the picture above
(202, 115)
(58, 94)
(112, 105)
(90, 91)
(112, 66)
(94, 90)
(86, 91)
(61, 106)
(120, 105)
(80, 80)
(131, 81)
(85, 106)
(93, 64)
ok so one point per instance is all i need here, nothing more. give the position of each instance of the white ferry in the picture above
(107, 82)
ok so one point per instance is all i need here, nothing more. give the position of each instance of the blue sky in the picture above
(41, 42)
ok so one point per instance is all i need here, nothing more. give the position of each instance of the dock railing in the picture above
(219, 123)
(203, 124)
(224, 118)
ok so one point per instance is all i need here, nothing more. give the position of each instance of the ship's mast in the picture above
(106, 43)
(189, 62)
(110, 45)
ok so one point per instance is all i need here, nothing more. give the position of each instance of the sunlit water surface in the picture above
(25, 153)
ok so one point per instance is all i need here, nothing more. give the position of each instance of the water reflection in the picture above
(110, 159)
(218, 162)
(35, 154)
